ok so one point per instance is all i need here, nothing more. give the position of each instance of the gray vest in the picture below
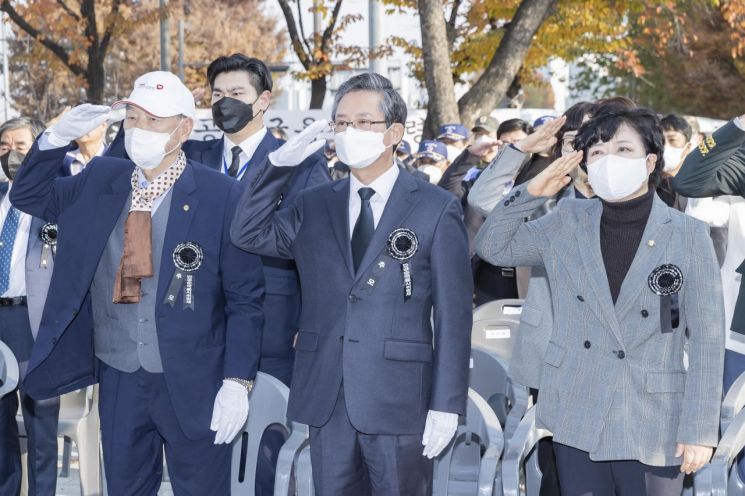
(125, 335)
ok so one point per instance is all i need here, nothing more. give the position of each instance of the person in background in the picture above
(715, 170)
(696, 135)
(455, 137)
(89, 146)
(484, 128)
(432, 159)
(513, 130)
(678, 144)
(635, 289)
(403, 153)
(26, 264)
(18, 134)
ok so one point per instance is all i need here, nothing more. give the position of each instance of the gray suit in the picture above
(613, 384)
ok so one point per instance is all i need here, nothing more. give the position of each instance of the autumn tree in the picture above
(495, 46)
(42, 83)
(321, 52)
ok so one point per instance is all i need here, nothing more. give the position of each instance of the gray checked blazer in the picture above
(613, 384)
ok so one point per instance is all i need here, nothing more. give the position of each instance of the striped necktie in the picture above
(7, 240)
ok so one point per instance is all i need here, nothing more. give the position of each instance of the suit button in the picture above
(621, 355)
(517, 193)
(512, 199)
(507, 203)
(352, 298)
(579, 297)
(645, 314)
(587, 345)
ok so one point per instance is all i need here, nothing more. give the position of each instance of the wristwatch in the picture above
(246, 383)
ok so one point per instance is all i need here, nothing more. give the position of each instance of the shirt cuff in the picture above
(49, 141)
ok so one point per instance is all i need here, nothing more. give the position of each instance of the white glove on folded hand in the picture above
(76, 123)
(230, 411)
(300, 146)
(438, 431)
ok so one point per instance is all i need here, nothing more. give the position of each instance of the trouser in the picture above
(137, 421)
(39, 419)
(734, 365)
(547, 462)
(580, 476)
(348, 462)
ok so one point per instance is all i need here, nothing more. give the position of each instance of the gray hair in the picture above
(391, 103)
(34, 125)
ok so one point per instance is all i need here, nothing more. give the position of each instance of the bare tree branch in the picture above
(450, 26)
(297, 45)
(109, 29)
(329, 31)
(50, 44)
(67, 9)
(303, 36)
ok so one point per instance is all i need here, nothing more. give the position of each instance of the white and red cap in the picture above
(161, 94)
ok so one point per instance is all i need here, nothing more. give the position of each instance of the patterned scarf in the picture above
(137, 257)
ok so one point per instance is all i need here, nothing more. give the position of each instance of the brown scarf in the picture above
(137, 258)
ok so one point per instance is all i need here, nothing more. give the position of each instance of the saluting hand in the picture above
(78, 122)
(694, 457)
(300, 146)
(554, 177)
(543, 139)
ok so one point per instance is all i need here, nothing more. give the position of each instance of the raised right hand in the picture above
(554, 177)
(78, 122)
(300, 146)
(543, 138)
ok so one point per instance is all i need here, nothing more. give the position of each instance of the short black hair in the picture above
(674, 122)
(511, 125)
(258, 72)
(614, 104)
(575, 116)
(603, 127)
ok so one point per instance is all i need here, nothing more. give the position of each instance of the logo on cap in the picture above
(158, 86)
(430, 147)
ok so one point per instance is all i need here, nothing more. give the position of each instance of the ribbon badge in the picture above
(402, 245)
(187, 257)
(48, 236)
(666, 281)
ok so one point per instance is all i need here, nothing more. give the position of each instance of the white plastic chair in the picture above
(521, 475)
(720, 477)
(462, 469)
(79, 421)
(9, 373)
(494, 326)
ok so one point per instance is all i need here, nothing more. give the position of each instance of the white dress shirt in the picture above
(383, 186)
(248, 148)
(17, 285)
(78, 164)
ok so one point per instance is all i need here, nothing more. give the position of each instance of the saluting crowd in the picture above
(171, 271)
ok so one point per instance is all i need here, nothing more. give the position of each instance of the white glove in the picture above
(230, 411)
(300, 146)
(438, 431)
(76, 123)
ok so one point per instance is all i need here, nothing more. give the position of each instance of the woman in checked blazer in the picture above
(632, 282)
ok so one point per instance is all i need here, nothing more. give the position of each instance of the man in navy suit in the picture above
(378, 254)
(241, 93)
(26, 263)
(149, 298)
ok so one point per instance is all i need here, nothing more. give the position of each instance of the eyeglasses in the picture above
(361, 124)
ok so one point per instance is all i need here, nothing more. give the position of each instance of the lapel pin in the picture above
(650, 243)
(186, 208)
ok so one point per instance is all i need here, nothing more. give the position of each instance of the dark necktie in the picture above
(364, 228)
(236, 162)
(7, 240)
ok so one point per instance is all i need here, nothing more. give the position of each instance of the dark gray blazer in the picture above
(613, 384)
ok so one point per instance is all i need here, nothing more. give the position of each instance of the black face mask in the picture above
(11, 162)
(231, 115)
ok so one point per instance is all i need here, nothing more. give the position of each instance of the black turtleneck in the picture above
(621, 229)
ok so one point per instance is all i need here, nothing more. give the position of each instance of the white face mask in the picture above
(359, 149)
(434, 173)
(484, 138)
(613, 178)
(453, 152)
(147, 148)
(672, 156)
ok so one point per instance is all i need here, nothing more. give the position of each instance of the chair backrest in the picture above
(269, 408)
(720, 476)
(734, 402)
(516, 472)
(289, 464)
(479, 431)
(495, 335)
(499, 309)
(9, 372)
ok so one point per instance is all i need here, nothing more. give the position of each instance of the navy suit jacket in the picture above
(219, 338)
(282, 298)
(357, 327)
